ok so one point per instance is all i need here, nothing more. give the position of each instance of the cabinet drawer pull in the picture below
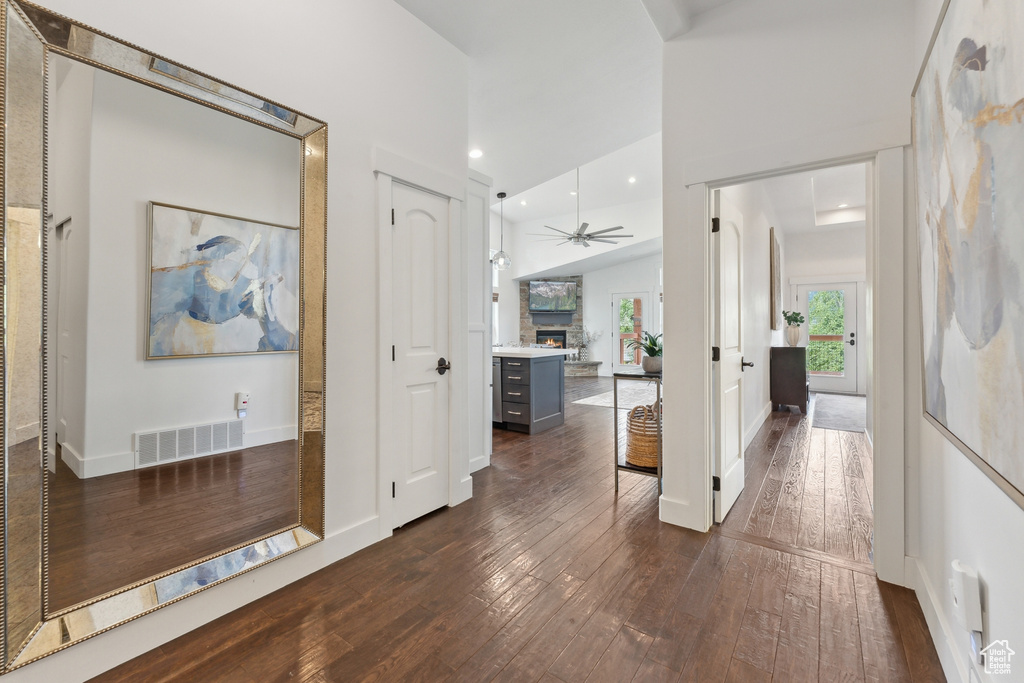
(512, 412)
(514, 393)
(515, 364)
(511, 377)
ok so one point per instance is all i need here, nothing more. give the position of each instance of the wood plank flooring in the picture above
(110, 531)
(806, 488)
(547, 575)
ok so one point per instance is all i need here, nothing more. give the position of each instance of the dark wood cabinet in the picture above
(789, 383)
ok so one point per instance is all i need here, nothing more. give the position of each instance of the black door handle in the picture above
(744, 365)
(852, 342)
(443, 366)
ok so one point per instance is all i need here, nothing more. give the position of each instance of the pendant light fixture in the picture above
(502, 260)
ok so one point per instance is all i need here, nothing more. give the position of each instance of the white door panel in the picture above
(420, 328)
(728, 385)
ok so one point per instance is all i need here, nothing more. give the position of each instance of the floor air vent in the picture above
(170, 445)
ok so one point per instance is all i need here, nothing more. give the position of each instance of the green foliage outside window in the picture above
(826, 311)
(626, 316)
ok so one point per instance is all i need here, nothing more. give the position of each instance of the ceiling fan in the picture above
(580, 234)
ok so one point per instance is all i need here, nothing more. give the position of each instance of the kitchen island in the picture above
(529, 388)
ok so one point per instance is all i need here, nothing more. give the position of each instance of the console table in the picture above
(621, 464)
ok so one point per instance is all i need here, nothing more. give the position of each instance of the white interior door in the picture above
(420, 328)
(831, 313)
(728, 371)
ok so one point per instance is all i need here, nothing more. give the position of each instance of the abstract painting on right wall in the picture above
(969, 153)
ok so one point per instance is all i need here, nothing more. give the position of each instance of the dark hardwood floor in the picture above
(547, 575)
(110, 531)
(807, 488)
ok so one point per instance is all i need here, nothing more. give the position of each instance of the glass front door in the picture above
(628, 324)
(831, 313)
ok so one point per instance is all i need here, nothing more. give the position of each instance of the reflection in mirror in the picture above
(23, 211)
(132, 483)
(153, 465)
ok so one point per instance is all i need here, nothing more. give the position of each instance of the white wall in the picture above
(641, 275)
(362, 66)
(754, 204)
(829, 251)
(758, 85)
(954, 510)
(508, 288)
(162, 148)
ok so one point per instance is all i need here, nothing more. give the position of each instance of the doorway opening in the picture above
(807, 479)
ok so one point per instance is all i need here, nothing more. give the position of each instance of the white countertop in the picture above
(512, 352)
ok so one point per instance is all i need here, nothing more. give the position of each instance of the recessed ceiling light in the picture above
(843, 206)
(632, 179)
(573, 193)
(523, 203)
(475, 153)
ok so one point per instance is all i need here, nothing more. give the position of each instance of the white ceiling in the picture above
(811, 200)
(602, 183)
(554, 84)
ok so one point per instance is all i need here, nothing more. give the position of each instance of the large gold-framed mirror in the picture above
(164, 324)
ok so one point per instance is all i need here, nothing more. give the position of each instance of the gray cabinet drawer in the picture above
(517, 393)
(515, 364)
(515, 412)
(519, 377)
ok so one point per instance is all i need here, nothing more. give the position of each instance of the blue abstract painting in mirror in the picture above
(220, 285)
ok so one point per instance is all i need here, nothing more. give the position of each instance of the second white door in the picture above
(420, 325)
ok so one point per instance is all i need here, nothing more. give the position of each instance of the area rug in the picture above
(631, 393)
(837, 411)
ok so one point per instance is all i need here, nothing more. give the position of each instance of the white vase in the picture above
(651, 364)
(793, 334)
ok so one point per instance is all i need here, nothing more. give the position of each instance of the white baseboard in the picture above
(94, 656)
(752, 432)
(479, 462)
(26, 432)
(123, 462)
(953, 664)
(271, 435)
(98, 466)
(682, 514)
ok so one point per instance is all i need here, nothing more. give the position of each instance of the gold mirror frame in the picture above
(59, 35)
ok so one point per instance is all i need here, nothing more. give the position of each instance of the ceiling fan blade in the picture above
(599, 232)
(584, 243)
(582, 229)
(557, 230)
(603, 239)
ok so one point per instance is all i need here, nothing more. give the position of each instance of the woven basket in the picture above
(642, 436)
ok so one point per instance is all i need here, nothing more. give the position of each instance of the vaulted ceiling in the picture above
(555, 84)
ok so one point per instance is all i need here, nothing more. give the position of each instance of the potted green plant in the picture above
(650, 344)
(793, 321)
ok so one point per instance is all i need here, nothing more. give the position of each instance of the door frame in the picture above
(860, 281)
(390, 168)
(686, 501)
